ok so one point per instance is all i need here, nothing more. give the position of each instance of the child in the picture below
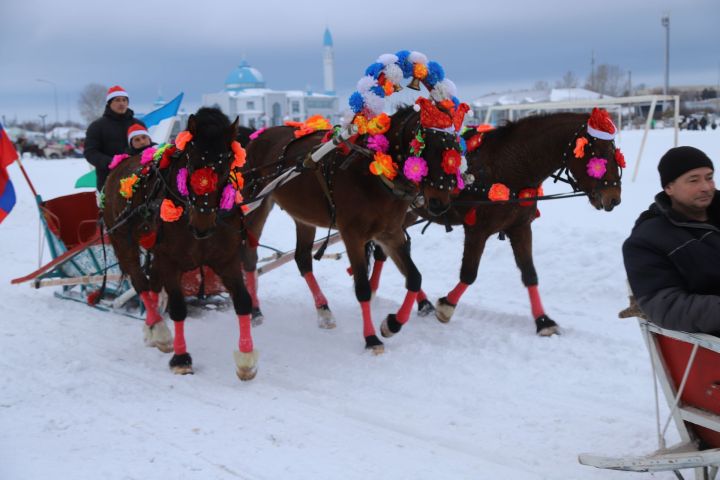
(138, 139)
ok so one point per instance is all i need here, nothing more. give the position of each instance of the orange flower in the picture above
(239, 152)
(361, 122)
(484, 127)
(182, 139)
(379, 124)
(237, 180)
(388, 88)
(420, 71)
(383, 165)
(580, 147)
(127, 184)
(499, 192)
(169, 212)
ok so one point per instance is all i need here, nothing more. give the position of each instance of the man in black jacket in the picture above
(107, 136)
(672, 256)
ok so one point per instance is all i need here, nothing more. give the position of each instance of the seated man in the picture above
(672, 256)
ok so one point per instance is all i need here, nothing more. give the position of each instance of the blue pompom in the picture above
(378, 90)
(435, 73)
(374, 69)
(456, 101)
(356, 102)
(404, 64)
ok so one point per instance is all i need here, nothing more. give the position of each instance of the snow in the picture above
(480, 397)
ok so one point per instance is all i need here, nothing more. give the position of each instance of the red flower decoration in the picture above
(620, 158)
(203, 180)
(499, 192)
(528, 193)
(451, 161)
(165, 160)
(474, 142)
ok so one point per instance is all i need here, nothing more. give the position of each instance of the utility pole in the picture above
(665, 21)
(592, 70)
(42, 117)
(57, 115)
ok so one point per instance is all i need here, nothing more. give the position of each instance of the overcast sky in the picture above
(160, 46)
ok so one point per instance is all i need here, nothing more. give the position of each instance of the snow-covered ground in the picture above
(480, 397)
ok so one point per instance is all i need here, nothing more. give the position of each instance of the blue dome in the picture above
(327, 38)
(244, 76)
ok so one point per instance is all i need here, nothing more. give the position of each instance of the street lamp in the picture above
(42, 117)
(665, 21)
(42, 80)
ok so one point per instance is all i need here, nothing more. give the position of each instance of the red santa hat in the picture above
(135, 130)
(600, 125)
(116, 91)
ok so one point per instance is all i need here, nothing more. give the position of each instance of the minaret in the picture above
(328, 63)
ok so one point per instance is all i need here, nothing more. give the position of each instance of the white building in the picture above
(246, 96)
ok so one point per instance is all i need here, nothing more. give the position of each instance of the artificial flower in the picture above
(485, 127)
(117, 159)
(147, 240)
(182, 139)
(451, 160)
(579, 150)
(127, 185)
(528, 193)
(239, 151)
(388, 87)
(474, 142)
(166, 156)
(415, 168)
(147, 155)
(237, 180)
(227, 200)
(470, 217)
(596, 167)
(203, 180)
(420, 71)
(499, 192)
(169, 212)
(361, 123)
(379, 124)
(181, 182)
(257, 133)
(417, 144)
(383, 165)
(620, 158)
(378, 143)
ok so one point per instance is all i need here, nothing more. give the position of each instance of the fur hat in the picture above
(135, 130)
(116, 91)
(679, 160)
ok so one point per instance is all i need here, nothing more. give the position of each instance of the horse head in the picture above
(208, 179)
(596, 163)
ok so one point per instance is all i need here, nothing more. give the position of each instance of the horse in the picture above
(342, 193)
(517, 158)
(194, 189)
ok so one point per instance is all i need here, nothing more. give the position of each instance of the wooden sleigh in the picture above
(687, 368)
(82, 260)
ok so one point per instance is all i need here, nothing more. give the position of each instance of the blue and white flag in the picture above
(160, 122)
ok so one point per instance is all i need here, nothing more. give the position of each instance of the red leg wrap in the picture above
(251, 285)
(455, 294)
(421, 296)
(375, 277)
(535, 303)
(150, 300)
(404, 313)
(368, 327)
(315, 289)
(245, 344)
(179, 345)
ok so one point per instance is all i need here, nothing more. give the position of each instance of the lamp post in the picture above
(665, 21)
(42, 80)
(42, 117)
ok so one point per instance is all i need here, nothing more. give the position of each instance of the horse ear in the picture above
(234, 128)
(191, 124)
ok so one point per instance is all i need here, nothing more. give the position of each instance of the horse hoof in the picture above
(181, 364)
(444, 310)
(425, 308)
(257, 317)
(374, 345)
(390, 326)
(246, 364)
(158, 336)
(546, 327)
(325, 318)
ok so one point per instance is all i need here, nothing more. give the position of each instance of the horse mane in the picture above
(211, 125)
(510, 127)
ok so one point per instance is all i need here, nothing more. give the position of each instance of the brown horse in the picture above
(196, 227)
(342, 193)
(521, 155)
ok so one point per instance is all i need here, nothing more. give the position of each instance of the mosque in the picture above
(246, 96)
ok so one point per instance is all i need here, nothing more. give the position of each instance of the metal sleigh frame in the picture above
(687, 368)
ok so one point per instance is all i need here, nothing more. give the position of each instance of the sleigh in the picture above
(687, 368)
(83, 259)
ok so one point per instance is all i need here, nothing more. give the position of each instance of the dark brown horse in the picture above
(342, 193)
(521, 155)
(197, 226)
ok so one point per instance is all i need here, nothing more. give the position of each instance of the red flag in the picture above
(7, 156)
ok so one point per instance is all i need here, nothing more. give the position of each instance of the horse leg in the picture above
(521, 242)
(472, 251)
(181, 362)
(399, 249)
(425, 308)
(155, 331)
(356, 254)
(255, 222)
(246, 359)
(303, 259)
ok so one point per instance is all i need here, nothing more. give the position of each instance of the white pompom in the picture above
(417, 57)
(439, 92)
(373, 103)
(393, 73)
(451, 87)
(365, 84)
(416, 107)
(387, 58)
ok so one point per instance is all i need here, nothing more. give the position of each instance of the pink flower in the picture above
(415, 168)
(182, 182)
(147, 155)
(257, 133)
(379, 143)
(117, 159)
(228, 197)
(596, 167)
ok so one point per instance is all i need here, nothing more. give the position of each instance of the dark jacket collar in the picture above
(116, 116)
(663, 207)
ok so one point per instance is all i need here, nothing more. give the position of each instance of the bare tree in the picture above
(92, 101)
(609, 80)
(569, 80)
(541, 85)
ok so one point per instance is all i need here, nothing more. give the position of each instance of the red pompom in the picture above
(600, 120)
(620, 158)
